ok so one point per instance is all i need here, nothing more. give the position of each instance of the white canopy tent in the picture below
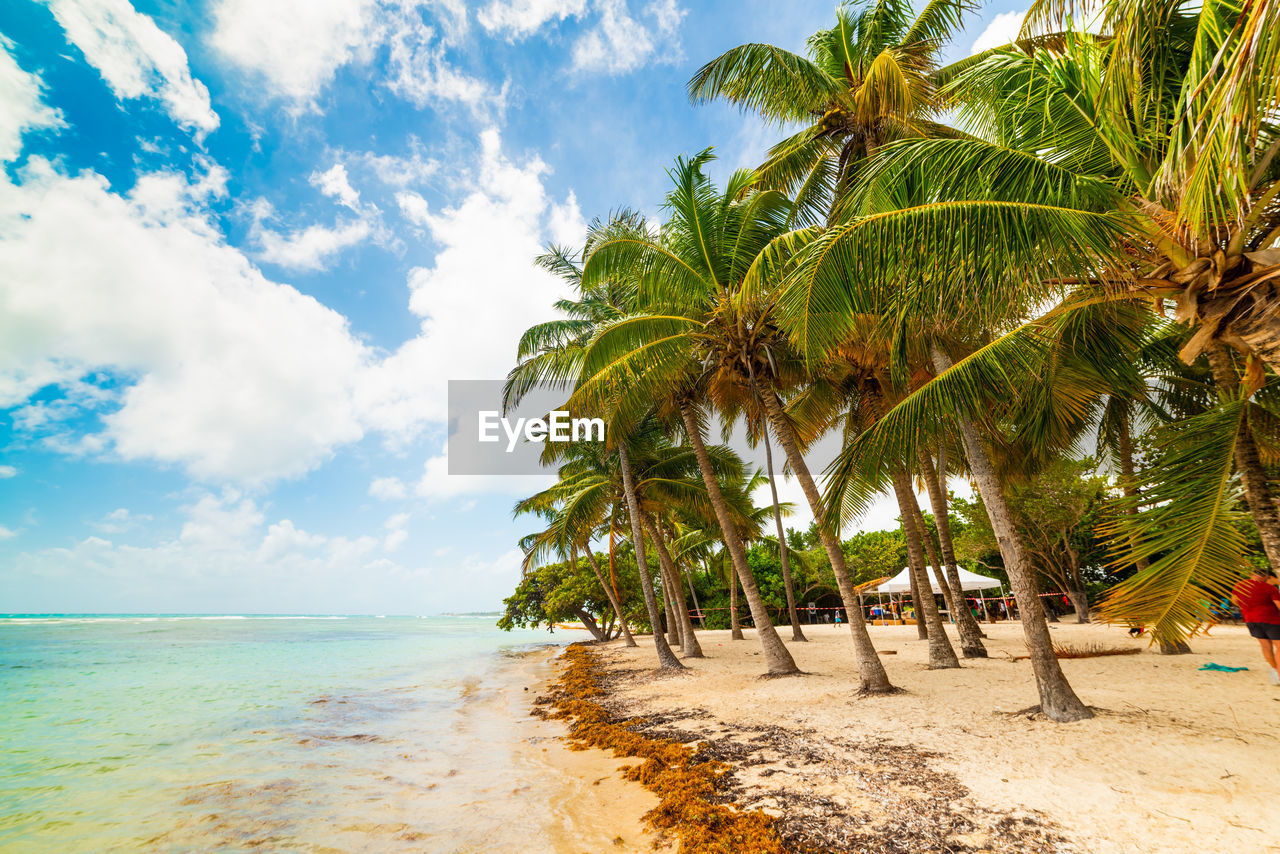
(901, 583)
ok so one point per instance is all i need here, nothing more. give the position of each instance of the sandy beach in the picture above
(1176, 759)
(584, 803)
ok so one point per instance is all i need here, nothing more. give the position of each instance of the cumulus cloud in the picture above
(507, 207)
(205, 363)
(311, 248)
(388, 488)
(335, 184)
(621, 42)
(120, 520)
(224, 544)
(234, 376)
(421, 73)
(518, 18)
(229, 555)
(1002, 30)
(413, 206)
(297, 46)
(8, 472)
(7, 533)
(396, 532)
(136, 58)
(437, 484)
(21, 108)
(400, 170)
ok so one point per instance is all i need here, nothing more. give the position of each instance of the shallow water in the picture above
(306, 734)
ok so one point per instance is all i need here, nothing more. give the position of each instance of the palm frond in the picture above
(1187, 526)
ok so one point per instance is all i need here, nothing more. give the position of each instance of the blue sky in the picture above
(244, 244)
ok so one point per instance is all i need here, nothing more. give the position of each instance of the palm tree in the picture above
(1101, 164)
(701, 336)
(563, 507)
(666, 658)
(797, 633)
(871, 79)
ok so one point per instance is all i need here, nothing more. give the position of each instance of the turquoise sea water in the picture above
(156, 733)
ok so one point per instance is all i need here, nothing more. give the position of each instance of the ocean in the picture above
(320, 734)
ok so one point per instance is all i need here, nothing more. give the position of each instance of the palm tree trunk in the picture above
(941, 655)
(735, 624)
(693, 594)
(872, 678)
(777, 659)
(1058, 700)
(613, 570)
(666, 658)
(797, 634)
(1254, 478)
(971, 645)
(917, 599)
(613, 599)
(674, 637)
(688, 640)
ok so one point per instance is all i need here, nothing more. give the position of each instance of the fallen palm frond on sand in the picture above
(1091, 650)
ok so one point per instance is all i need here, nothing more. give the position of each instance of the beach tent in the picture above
(901, 583)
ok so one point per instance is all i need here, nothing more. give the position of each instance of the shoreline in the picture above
(955, 762)
(588, 806)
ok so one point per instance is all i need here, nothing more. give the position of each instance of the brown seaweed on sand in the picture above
(765, 788)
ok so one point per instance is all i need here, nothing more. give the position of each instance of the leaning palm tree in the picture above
(695, 341)
(562, 507)
(871, 79)
(708, 242)
(1102, 165)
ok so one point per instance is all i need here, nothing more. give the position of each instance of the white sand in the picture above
(582, 803)
(1177, 760)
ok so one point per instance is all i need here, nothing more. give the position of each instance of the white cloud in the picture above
(519, 18)
(230, 556)
(388, 488)
(218, 369)
(621, 43)
(235, 376)
(8, 472)
(284, 538)
(224, 552)
(436, 484)
(311, 248)
(120, 520)
(335, 184)
(295, 45)
(136, 58)
(413, 206)
(1002, 30)
(396, 533)
(507, 207)
(21, 108)
(422, 74)
(7, 533)
(400, 171)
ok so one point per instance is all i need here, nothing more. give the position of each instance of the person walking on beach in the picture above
(837, 618)
(1258, 598)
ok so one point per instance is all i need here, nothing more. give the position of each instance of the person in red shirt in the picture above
(1258, 599)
